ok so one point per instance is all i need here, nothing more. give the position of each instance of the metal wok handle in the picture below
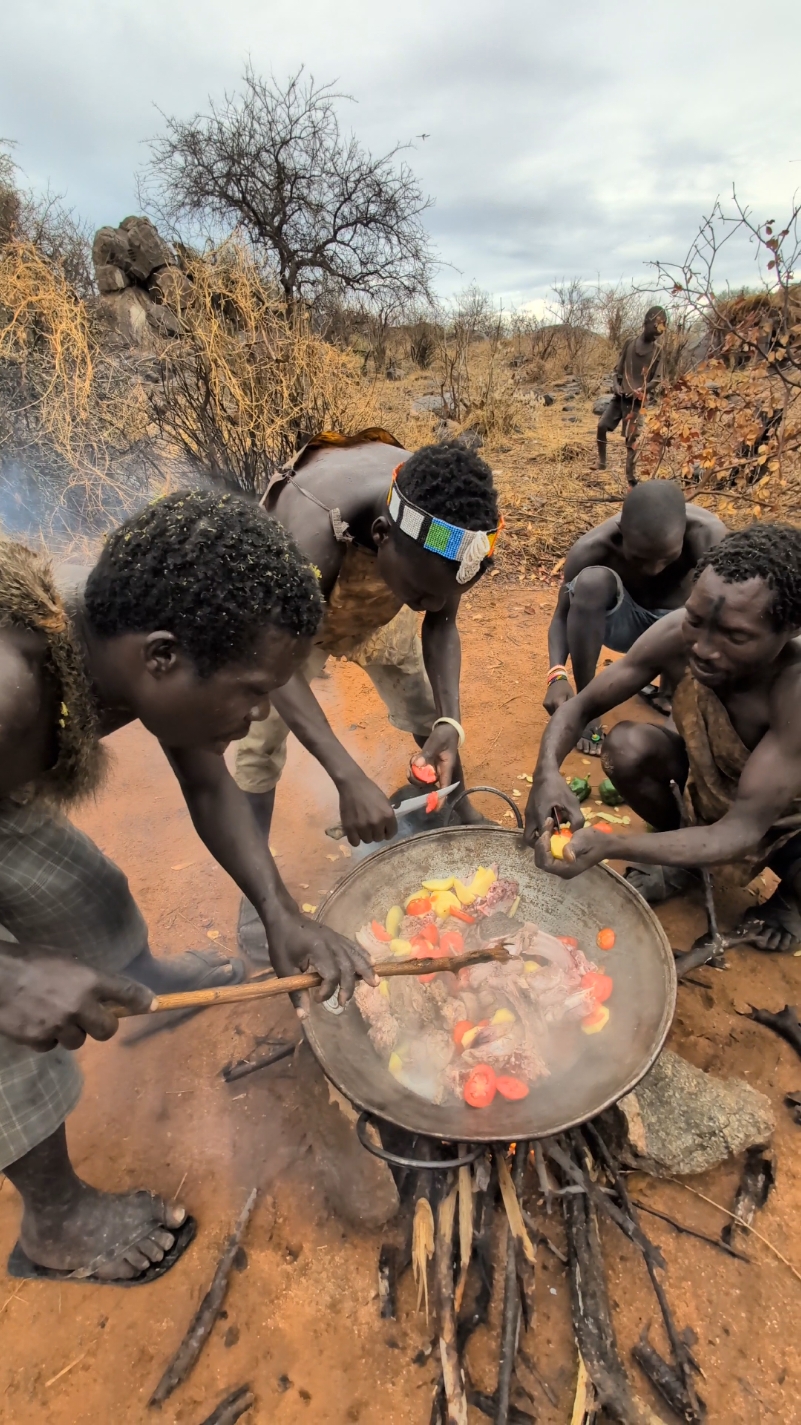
(468, 792)
(429, 1164)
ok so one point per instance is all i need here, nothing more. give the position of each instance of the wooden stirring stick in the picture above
(234, 994)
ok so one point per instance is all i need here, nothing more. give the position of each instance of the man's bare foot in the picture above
(111, 1236)
(194, 970)
(774, 926)
(591, 742)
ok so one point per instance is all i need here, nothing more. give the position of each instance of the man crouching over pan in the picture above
(197, 608)
(734, 747)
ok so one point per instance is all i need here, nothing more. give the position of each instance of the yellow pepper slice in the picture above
(600, 1019)
(383, 988)
(502, 1016)
(464, 893)
(482, 881)
(395, 1064)
(393, 921)
(445, 885)
(444, 902)
(401, 948)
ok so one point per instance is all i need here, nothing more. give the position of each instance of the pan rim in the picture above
(634, 1079)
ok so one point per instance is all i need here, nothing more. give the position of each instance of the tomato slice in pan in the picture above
(480, 1085)
(511, 1088)
(599, 984)
(458, 914)
(418, 907)
(431, 934)
(380, 931)
(606, 938)
(460, 1029)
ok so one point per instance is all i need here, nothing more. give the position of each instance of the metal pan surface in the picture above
(587, 1074)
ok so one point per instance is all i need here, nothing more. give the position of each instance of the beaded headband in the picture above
(467, 547)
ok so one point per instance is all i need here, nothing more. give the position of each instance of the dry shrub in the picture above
(247, 381)
(71, 420)
(731, 435)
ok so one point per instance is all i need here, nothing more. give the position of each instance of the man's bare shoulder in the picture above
(21, 681)
(786, 691)
(592, 547)
(704, 529)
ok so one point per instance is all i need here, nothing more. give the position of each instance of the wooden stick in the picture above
(235, 994)
(452, 1373)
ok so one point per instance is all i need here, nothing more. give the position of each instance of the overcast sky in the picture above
(565, 138)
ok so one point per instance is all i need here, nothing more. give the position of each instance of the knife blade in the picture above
(336, 833)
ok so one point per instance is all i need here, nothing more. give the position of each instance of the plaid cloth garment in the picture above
(56, 889)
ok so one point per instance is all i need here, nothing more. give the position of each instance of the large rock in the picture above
(110, 278)
(110, 248)
(146, 249)
(682, 1120)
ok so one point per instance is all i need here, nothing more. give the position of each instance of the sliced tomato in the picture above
(460, 1029)
(423, 772)
(604, 826)
(451, 941)
(432, 802)
(431, 934)
(480, 1086)
(418, 907)
(606, 938)
(599, 984)
(568, 941)
(380, 931)
(458, 914)
(511, 1088)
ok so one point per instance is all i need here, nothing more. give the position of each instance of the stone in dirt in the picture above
(681, 1120)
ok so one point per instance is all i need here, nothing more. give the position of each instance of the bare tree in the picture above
(46, 224)
(315, 205)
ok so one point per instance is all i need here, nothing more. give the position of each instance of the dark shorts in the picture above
(622, 408)
(626, 620)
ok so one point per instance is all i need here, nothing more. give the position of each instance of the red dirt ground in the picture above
(305, 1310)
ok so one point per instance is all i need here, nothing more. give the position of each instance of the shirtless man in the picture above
(636, 373)
(735, 749)
(195, 611)
(619, 580)
(393, 535)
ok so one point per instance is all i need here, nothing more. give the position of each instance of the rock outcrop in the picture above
(142, 288)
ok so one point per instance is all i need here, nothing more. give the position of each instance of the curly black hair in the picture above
(453, 483)
(210, 569)
(763, 551)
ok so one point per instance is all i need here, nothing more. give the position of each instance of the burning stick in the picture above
(203, 1321)
(452, 1373)
(290, 984)
(511, 1185)
(664, 1378)
(240, 1070)
(754, 1189)
(229, 1410)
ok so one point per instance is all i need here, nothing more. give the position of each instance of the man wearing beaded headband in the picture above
(619, 579)
(393, 535)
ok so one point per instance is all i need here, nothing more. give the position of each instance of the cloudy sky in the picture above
(565, 139)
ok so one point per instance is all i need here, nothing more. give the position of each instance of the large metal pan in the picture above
(596, 1070)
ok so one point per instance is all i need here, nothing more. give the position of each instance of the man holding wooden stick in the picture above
(196, 610)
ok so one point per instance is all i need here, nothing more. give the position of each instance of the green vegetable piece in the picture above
(580, 787)
(609, 794)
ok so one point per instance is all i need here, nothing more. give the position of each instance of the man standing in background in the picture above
(636, 374)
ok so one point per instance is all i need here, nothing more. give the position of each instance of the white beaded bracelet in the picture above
(452, 723)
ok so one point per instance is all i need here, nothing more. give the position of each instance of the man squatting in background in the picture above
(619, 579)
(393, 535)
(735, 749)
(635, 376)
(195, 611)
